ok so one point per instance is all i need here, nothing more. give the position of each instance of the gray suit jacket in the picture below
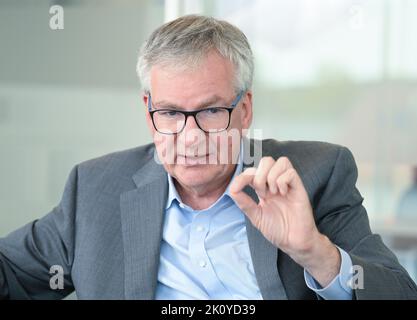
(106, 231)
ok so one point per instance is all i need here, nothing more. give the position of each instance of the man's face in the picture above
(197, 158)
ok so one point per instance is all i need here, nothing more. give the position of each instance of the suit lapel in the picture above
(142, 218)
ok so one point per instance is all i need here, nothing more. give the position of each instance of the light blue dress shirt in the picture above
(205, 254)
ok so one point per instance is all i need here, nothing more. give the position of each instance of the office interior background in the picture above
(338, 71)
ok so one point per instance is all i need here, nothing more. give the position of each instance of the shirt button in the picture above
(202, 263)
(200, 228)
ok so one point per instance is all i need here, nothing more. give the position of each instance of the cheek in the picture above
(225, 146)
(165, 147)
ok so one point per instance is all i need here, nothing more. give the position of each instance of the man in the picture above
(193, 216)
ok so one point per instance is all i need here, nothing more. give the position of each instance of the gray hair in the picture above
(186, 40)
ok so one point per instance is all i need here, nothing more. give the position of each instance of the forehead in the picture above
(212, 75)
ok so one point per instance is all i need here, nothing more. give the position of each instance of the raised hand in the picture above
(284, 215)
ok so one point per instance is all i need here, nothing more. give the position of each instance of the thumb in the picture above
(244, 202)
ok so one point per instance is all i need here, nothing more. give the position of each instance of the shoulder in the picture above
(307, 155)
(115, 166)
(301, 149)
(129, 157)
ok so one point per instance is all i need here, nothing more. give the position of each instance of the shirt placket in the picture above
(202, 265)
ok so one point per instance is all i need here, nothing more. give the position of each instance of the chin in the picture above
(195, 175)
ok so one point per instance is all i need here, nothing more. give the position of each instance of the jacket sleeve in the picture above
(341, 216)
(28, 254)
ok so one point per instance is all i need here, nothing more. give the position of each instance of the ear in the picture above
(145, 99)
(247, 112)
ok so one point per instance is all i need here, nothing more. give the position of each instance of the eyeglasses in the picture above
(210, 120)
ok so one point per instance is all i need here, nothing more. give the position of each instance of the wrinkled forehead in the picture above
(212, 75)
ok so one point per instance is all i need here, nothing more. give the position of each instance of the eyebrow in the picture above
(205, 103)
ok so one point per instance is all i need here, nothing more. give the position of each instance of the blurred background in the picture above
(338, 71)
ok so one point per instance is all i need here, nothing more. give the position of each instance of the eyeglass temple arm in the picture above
(149, 102)
(236, 101)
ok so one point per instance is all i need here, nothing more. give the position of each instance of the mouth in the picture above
(192, 160)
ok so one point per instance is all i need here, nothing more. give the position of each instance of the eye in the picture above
(211, 111)
(169, 113)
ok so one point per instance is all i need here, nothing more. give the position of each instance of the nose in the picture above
(191, 135)
(190, 123)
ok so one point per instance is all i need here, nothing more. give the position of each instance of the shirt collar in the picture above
(173, 193)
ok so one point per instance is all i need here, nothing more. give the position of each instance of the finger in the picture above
(280, 166)
(242, 180)
(289, 179)
(259, 182)
(244, 201)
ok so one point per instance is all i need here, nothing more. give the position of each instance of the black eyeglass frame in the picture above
(193, 114)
